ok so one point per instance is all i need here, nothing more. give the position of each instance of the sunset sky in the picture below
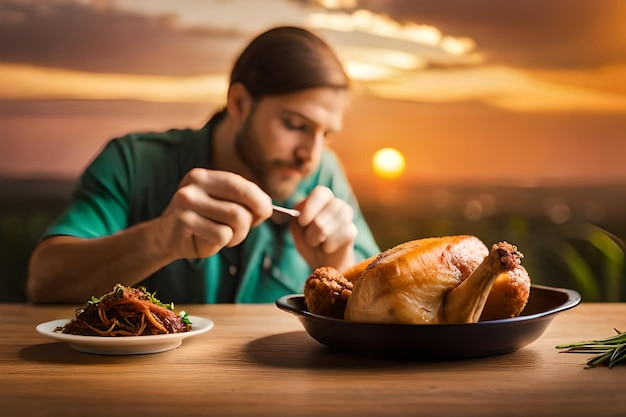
(527, 92)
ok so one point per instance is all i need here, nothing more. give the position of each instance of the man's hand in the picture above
(209, 211)
(324, 233)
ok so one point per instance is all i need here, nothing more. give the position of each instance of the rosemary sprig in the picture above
(609, 351)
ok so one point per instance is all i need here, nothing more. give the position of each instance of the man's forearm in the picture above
(66, 269)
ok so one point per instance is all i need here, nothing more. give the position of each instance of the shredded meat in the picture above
(125, 311)
(326, 292)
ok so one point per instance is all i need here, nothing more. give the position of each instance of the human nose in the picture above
(312, 146)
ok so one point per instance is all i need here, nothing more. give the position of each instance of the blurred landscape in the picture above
(509, 115)
(571, 236)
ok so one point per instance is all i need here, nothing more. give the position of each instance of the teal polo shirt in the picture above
(133, 179)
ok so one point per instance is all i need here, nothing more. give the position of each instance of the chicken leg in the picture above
(465, 303)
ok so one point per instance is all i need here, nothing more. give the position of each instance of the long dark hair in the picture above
(285, 60)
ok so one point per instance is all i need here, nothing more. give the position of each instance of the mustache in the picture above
(300, 165)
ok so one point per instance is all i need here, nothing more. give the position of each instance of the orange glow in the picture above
(388, 163)
(23, 82)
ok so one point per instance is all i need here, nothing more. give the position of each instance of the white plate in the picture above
(124, 345)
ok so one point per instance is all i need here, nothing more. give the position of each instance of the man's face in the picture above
(282, 139)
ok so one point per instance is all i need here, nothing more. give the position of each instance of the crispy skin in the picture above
(411, 283)
(354, 272)
(509, 295)
(326, 292)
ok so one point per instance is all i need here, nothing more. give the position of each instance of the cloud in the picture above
(516, 55)
(23, 82)
(368, 40)
(246, 16)
(525, 33)
(501, 87)
(187, 38)
(364, 21)
(81, 37)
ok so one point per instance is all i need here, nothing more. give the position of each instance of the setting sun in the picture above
(388, 163)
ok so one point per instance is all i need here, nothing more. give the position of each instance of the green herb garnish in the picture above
(608, 351)
(152, 298)
(118, 291)
(184, 317)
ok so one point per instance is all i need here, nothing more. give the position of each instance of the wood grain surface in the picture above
(258, 360)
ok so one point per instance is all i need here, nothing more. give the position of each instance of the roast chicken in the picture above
(451, 279)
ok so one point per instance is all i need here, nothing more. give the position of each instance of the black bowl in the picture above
(436, 341)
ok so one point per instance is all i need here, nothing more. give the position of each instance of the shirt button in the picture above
(232, 270)
(267, 263)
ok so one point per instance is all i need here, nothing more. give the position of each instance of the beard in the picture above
(274, 176)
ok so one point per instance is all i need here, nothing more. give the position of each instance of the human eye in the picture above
(293, 124)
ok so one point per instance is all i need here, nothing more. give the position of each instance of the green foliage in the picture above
(577, 254)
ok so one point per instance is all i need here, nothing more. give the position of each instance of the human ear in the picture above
(238, 102)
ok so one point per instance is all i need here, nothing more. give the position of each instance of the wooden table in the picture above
(258, 360)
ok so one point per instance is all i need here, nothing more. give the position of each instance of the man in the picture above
(188, 213)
